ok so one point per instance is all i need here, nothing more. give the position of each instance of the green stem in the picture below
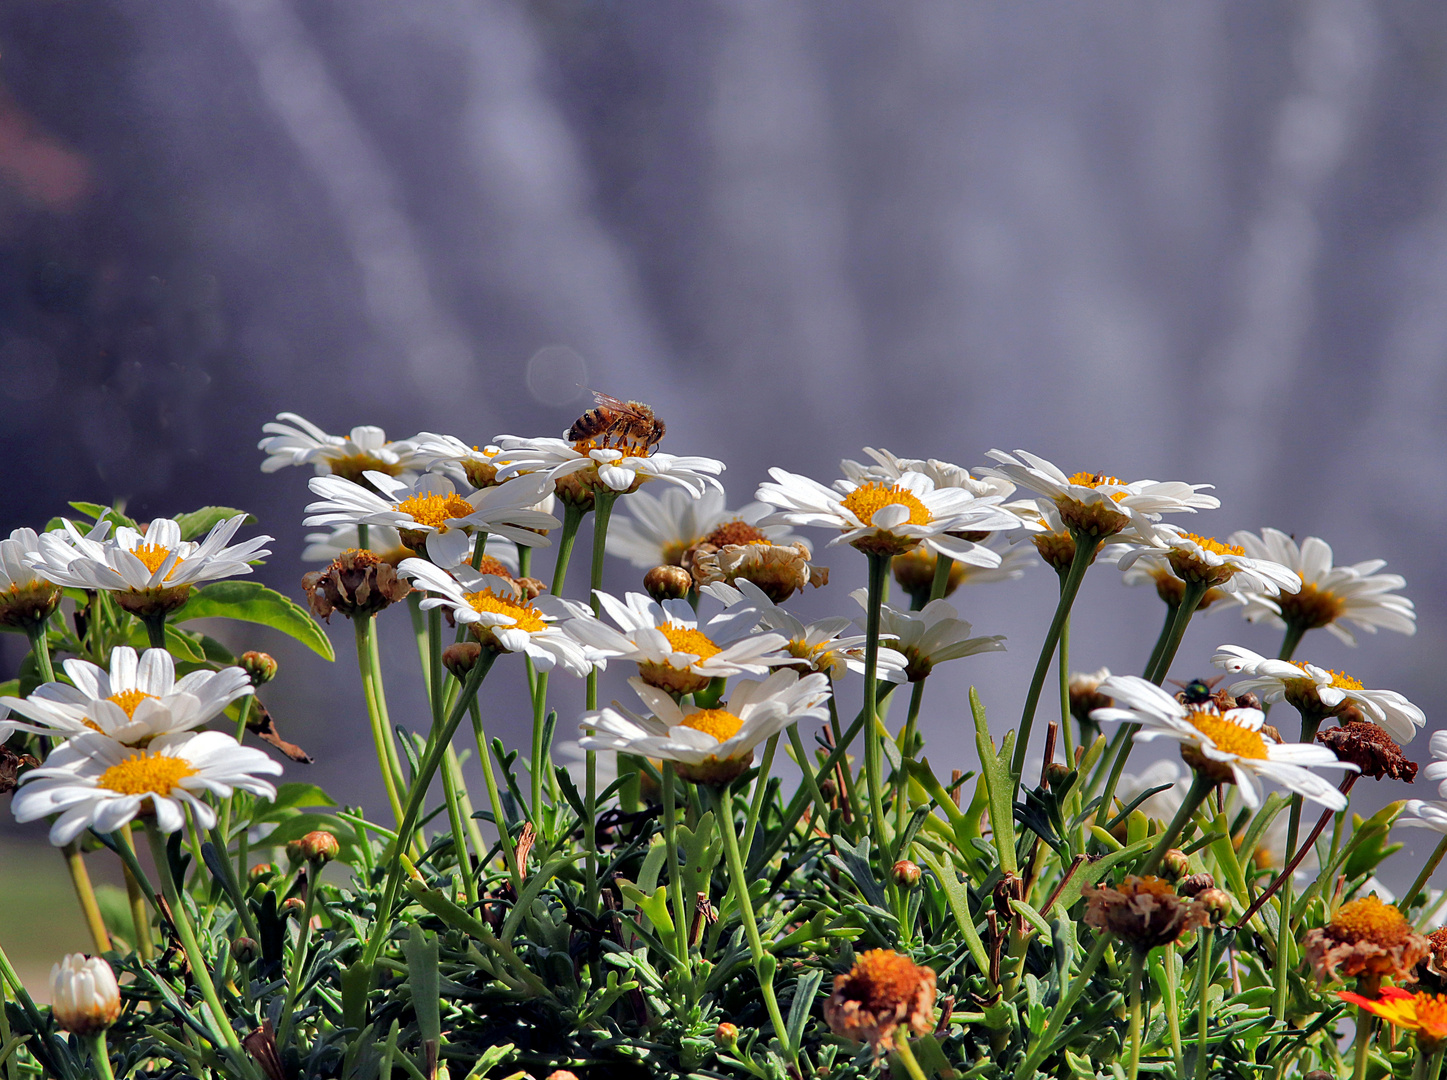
(535, 764)
(842, 740)
(27, 1006)
(941, 583)
(100, 1056)
(85, 894)
(1063, 1006)
(494, 797)
(1363, 1044)
(137, 899)
(233, 884)
(40, 649)
(761, 786)
(1085, 548)
(602, 514)
(379, 691)
(738, 880)
(906, 748)
(298, 954)
(1136, 975)
(675, 874)
(1295, 631)
(1309, 725)
(878, 572)
(906, 1055)
(1171, 962)
(1203, 1001)
(572, 518)
(12, 1067)
(1161, 639)
(1427, 871)
(811, 782)
(381, 735)
(155, 630)
(455, 819)
(1062, 664)
(1200, 787)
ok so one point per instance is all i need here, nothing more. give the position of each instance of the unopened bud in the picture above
(84, 994)
(1175, 865)
(245, 950)
(293, 906)
(259, 666)
(1216, 902)
(293, 851)
(261, 870)
(726, 1035)
(1056, 774)
(1318, 1074)
(906, 874)
(1195, 884)
(562, 1074)
(828, 788)
(667, 583)
(319, 847)
(459, 658)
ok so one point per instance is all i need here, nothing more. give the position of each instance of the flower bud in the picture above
(1216, 902)
(1056, 773)
(562, 1074)
(828, 788)
(1196, 884)
(293, 851)
(261, 871)
(319, 847)
(259, 666)
(293, 906)
(667, 583)
(726, 1036)
(1175, 865)
(245, 950)
(906, 874)
(459, 658)
(85, 997)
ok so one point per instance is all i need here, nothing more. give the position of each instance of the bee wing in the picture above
(608, 401)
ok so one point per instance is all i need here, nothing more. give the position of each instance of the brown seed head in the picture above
(1370, 748)
(357, 583)
(1436, 961)
(881, 992)
(10, 765)
(779, 570)
(1367, 939)
(1143, 912)
(1195, 884)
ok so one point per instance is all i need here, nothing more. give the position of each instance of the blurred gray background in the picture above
(1197, 241)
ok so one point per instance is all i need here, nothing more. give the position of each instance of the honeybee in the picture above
(619, 423)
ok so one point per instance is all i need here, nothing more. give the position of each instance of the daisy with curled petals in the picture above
(887, 519)
(94, 782)
(929, 636)
(27, 598)
(294, 441)
(708, 746)
(1318, 692)
(1204, 560)
(817, 646)
(578, 469)
(1329, 595)
(476, 465)
(1223, 747)
(138, 699)
(1096, 505)
(661, 530)
(150, 572)
(429, 513)
(500, 617)
(672, 649)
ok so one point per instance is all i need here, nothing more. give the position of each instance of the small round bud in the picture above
(906, 874)
(1175, 865)
(1318, 1074)
(562, 1074)
(259, 666)
(1196, 884)
(293, 906)
(726, 1035)
(261, 871)
(293, 850)
(828, 788)
(667, 583)
(1056, 773)
(84, 994)
(245, 950)
(1217, 904)
(319, 847)
(459, 658)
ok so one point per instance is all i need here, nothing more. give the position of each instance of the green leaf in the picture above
(802, 1005)
(1093, 872)
(95, 511)
(291, 797)
(1000, 783)
(253, 602)
(959, 901)
(181, 644)
(201, 521)
(421, 949)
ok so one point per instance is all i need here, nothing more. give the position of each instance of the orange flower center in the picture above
(146, 774)
(720, 723)
(688, 640)
(736, 532)
(1368, 919)
(1229, 736)
(434, 510)
(868, 499)
(883, 980)
(524, 616)
(129, 699)
(153, 555)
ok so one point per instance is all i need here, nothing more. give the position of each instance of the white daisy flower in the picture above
(1329, 595)
(891, 518)
(295, 441)
(499, 617)
(1226, 746)
(1436, 770)
(576, 468)
(473, 465)
(929, 636)
(27, 598)
(890, 467)
(1152, 567)
(1099, 505)
(1431, 813)
(708, 746)
(1312, 689)
(387, 542)
(92, 781)
(820, 645)
(661, 529)
(147, 572)
(137, 700)
(428, 512)
(671, 648)
(1205, 560)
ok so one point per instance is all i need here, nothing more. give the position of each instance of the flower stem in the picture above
(299, 951)
(761, 787)
(906, 1055)
(494, 797)
(1161, 640)
(1295, 631)
(675, 874)
(381, 735)
(1427, 871)
(1200, 787)
(136, 899)
(455, 819)
(943, 565)
(85, 894)
(1363, 1044)
(40, 648)
(1203, 1001)
(1136, 975)
(1062, 663)
(602, 514)
(1309, 724)
(1085, 548)
(878, 572)
(1171, 960)
(906, 748)
(100, 1056)
(738, 880)
(155, 630)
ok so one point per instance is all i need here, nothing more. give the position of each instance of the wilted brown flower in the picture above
(1435, 966)
(357, 583)
(1367, 939)
(780, 570)
(10, 763)
(1370, 748)
(1197, 883)
(880, 992)
(1143, 912)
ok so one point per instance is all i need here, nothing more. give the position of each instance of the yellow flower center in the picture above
(1342, 681)
(1428, 1015)
(525, 616)
(129, 699)
(352, 466)
(626, 448)
(1211, 544)
(146, 774)
(1311, 607)
(153, 555)
(1368, 919)
(686, 639)
(1229, 737)
(434, 510)
(1095, 480)
(720, 723)
(868, 499)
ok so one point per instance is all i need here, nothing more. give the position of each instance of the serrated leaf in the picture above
(1000, 785)
(959, 901)
(1091, 873)
(250, 601)
(421, 949)
(802, 1005)
(203, 520)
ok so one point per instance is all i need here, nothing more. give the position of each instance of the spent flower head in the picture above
(883, 992)
(1369, 940)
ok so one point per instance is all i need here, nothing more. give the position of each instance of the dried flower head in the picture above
(10, 764)
(1436, 962)
(1195, 884)
(1367, 939)
(780, 570)
(357, 583)
(1143, 912)
(879, 993)
(1370, 749)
